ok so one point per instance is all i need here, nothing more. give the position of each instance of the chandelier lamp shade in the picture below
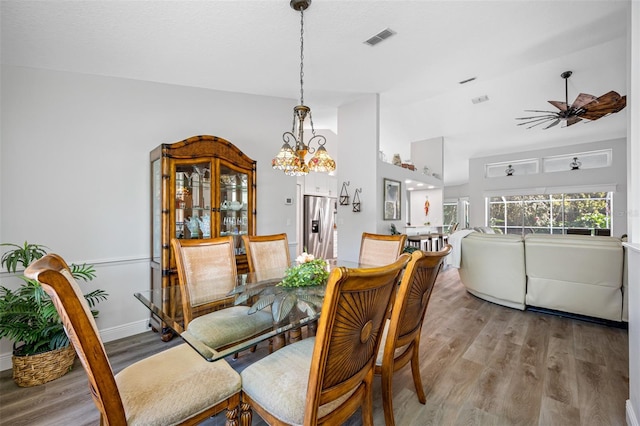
(291, 157)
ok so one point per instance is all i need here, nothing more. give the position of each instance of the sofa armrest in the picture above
(492, 267)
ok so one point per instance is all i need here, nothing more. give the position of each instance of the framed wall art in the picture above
(392, 200)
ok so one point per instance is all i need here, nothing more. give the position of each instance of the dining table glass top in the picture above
(291, 307)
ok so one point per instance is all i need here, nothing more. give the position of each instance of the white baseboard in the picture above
(632, 420)
(107, 335)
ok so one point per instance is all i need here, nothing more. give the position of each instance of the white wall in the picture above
(75, 171)
(615, 175)
(429, 153)
(418, 218)
(358, 140)
(633, 216)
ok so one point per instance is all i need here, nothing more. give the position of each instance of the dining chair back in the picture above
(267, 252)
(379, 249)
(206, 274)
(401, 337)
(326, 379)
(176, 386)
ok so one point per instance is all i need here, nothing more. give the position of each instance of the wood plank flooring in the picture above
(481, 364)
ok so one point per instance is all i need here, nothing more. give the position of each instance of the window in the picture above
(450, 214)
(550, 213)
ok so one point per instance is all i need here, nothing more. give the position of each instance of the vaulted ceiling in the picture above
(515, 49)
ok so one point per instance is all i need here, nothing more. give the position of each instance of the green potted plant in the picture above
(41, 349)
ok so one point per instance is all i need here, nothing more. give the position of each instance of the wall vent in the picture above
(480, 99)
(382, 35)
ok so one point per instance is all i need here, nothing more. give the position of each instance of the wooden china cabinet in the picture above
(201, 187)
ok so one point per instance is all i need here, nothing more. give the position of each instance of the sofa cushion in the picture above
(575, 273)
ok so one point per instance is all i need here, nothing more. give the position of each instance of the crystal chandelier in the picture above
(291, 157)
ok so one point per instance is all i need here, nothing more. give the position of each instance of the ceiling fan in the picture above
(586, 107)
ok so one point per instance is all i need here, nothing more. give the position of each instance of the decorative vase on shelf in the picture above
(192, 224)
(396, 160)
(205, 226)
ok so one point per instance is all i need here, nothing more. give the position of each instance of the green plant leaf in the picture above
(28, 316)
(83, 272)
(23, 255)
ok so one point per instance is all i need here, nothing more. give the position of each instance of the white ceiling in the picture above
(517, 50)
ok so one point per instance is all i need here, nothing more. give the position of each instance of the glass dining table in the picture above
(291, 307)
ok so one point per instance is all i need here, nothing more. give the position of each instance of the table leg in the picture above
(295, 335)
(312, 327)
(279, 342)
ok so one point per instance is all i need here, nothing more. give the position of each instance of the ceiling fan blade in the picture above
(539, 110)
(538, 119)
(582, 100)
(562, 106)
(555, 123)
(608, 103)
(537, 116)
(573, 120)
(539, 123)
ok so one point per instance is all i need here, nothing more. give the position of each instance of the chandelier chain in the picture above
(302, 57)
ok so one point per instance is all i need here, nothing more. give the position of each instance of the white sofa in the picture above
(577, 274)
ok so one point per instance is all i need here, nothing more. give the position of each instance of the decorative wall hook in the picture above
(344, 195)
(356, 200)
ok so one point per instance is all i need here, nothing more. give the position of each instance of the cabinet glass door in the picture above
(234, 205)
(193, 200)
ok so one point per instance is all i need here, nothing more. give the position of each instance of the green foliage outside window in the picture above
(547, 214)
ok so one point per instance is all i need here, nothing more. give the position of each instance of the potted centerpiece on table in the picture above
(41, 350)
(302, 286)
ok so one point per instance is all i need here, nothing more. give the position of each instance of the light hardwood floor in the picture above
(481, 364)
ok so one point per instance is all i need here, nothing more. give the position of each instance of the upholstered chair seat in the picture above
(171, 385)
(289, 369)
(223, 328)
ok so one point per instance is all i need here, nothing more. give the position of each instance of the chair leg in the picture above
(415, 371)
(367, 406)
(387, 394)
(246, 414)
(232, 416)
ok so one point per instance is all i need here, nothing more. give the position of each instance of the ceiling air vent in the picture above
(382, 35)
(480, 99)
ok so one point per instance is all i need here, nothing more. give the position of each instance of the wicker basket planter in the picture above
(33, 370)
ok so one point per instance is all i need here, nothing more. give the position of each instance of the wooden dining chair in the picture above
(324, 380)
(267, 252)
(401, 337)
(379, 249)
(207, 273)
(176, 386)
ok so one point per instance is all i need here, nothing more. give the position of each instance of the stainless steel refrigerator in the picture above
(319, 226)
